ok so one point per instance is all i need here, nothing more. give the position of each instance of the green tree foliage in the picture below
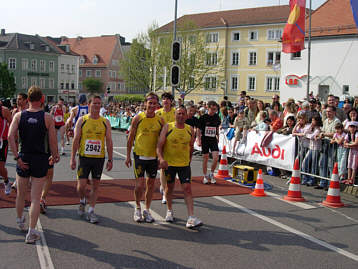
(129, 98)
(93, 85)
(7, 82)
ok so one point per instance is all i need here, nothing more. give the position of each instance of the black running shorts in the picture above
(90, 165)
(207, 145)
(184, 174)
(3, 151)
(38, 165)
(142, 167)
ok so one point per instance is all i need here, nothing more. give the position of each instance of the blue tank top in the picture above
(33, 133)
(82, 110)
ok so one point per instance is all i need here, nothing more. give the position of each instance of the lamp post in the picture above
(175, 36)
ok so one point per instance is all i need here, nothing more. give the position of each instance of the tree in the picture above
(7, 82)
(93, 85)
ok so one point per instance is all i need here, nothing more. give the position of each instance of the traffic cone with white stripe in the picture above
(294, 190)
(259, 187)
(333, 198)
(223, 172)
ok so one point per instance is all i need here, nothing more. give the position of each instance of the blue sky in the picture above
(96, 17)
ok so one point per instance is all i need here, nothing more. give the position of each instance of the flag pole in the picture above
(309, 50)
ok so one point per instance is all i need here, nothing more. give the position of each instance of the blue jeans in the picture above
(342, 154)
(310, 165)
(326, 161)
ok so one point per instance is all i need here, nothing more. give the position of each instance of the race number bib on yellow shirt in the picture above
(58, 118)
(210, 131)
(93, 147)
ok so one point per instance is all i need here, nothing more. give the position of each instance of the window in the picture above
(33, 81)
(82, 60)
(51, 83)
(192, 39)
(236, 36)
(25, 64)
(67, 85)
(296, 55)
(273, 57)
(251, 83)
(272, 83)
(68, 68)
(252, 58)
(192, 60)
(73, 69)
(253, 35)
(212, 37)
(277, 84)
(42, 66)
(210, 83)
(88, 73)
(115, 62)
(274, 34)
(98, 73)
(234, 84)
(211, 59)
(42, 83)
(80, 86)
(235, 58)
(62, 85)
(72, 84)
(62, 68)
(34, 65)
(12, 63)
(51, 66)
(24, 82)
(80, 73)
(95, 60)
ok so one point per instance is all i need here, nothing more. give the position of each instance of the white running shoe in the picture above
(7, 188)
(161, 190)
(206, 180)
(92, 218)
(67, 143)
(147, 216)
(21, 223)
(164, 200)
(137, 215)
(82, 209)
(62, 151)
(169, 217)
(212, 178)
(193, 222)
(32, 237)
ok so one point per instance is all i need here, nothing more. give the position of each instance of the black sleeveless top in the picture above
(33, 133)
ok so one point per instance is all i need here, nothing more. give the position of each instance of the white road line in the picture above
(42, 250)
(106, 177)
(119, 147)
(339, 213)
(120, 154)
(159, 220)
(289, 229)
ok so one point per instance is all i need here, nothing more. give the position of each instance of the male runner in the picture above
(76, 113)
(58, 112)
(5, 120)
(144, 132)
(34, 127)
(167, 112)
(92, 135)
(175, 149)
(208, 140)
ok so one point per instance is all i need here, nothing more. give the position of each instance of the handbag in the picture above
(267, 139)
(230, 134)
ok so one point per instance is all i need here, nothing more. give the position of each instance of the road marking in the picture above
(159, 220)
(42, 249)
(120, 154)
(106, 177)
(289, 229)
(299, 204)
(119, 147)
(339, 213)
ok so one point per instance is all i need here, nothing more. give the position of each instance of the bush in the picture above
(129, 98)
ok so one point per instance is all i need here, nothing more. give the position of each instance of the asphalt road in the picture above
(240, 231)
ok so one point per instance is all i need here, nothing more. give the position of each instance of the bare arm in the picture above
(50, 125)
(76, 142)
(192, 142)
(14, 127)
(131, 136)
(72, 116)
(6, 114)
(160, 147)
(109, 143)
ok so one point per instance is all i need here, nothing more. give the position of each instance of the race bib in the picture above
(210, 131)
(59, 118)
(93, 147)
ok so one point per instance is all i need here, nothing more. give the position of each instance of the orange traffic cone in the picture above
(294, 191)
(259, 187)
(333, 198)
(223, 172)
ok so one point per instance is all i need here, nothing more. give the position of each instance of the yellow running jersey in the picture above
(147, 135)
(177, 146)
(92, 142)
(167, 116)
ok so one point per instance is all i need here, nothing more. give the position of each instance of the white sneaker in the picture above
(62, 151)
(147, 216)
(193, 222)
(137, 215)
(14, 185)
(32, 237)
(21, 223)
(169, 217)
(164, 200)
(7, 188)
(212, 179)
(206, 180)
(67, 143)
(161, 190)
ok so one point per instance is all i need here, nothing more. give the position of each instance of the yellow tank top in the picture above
(66, 116)
(177, 146)
(146, 138)
(92, 142)
(167, 116)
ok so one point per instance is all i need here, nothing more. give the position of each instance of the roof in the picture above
(101, 46)
(333, 18)
(238, 17)
(55, 42)
(18, 41)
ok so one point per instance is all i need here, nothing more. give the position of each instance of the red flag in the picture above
(293, 37)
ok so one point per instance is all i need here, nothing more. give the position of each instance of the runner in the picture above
(208, 140)
(167, 112)
(144, 132)
(76, 113)
(175, 149)
(5, 120)
(58, 112)
(33, 124)
(92, 135)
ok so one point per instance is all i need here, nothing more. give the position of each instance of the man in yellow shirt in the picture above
(167, 112)
(144, 133)
(175, 148)
(92, 135)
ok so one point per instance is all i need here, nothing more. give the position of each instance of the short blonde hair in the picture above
(34, 94)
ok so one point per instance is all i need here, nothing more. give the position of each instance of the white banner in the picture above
(280, 153)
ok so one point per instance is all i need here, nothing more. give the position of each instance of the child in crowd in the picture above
(290, 124)
(338, 138)
(310, 162)
(299, 130)
(241, 125)
(263, 124)
(351, 142)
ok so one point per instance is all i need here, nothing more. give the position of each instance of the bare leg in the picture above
(62, 135)
(138, 190)
(215, 161)
(94, 192)
(149, 192)
(205, 163)
(22, 184)
(163, 180)
(169, 194)
(36, 188)
(48, 184)
(81, 187)
(3, 172)
(188, 197)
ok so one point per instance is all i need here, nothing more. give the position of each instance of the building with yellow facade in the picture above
(248, 41)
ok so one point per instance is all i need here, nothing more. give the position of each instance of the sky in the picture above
(128, 18)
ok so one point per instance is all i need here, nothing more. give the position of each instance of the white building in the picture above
(334, 56)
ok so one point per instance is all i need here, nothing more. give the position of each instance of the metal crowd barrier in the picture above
(122, 122)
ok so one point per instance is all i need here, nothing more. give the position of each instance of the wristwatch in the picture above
(16, 158)
(110, 161)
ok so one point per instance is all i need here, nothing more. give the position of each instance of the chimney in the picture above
(79, 38)
(2, 31)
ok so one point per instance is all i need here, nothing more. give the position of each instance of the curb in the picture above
(352, 190)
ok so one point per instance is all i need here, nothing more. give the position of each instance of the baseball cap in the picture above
(353, 123)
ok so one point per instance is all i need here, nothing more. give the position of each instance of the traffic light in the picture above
(108, 90)
(175, 75)
(176, 51)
